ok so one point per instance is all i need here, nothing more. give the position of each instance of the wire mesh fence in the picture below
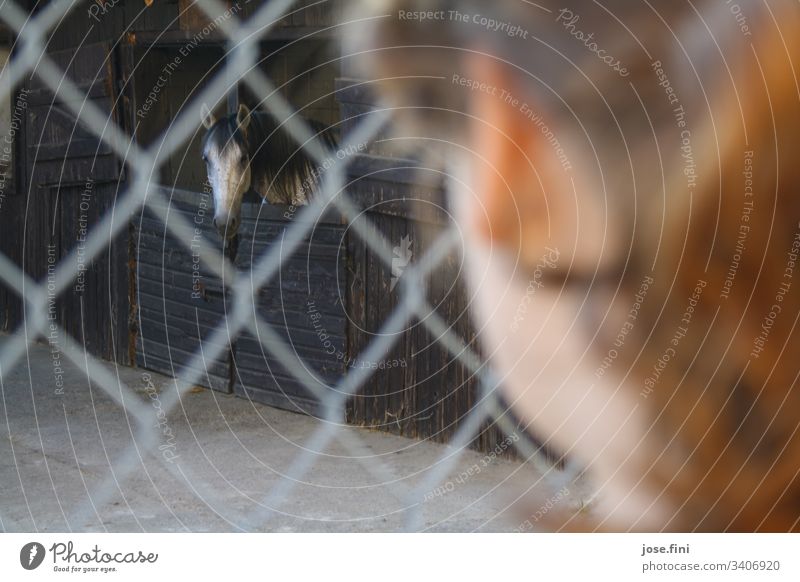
(142, 163)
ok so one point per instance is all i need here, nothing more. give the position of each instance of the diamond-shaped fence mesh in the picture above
(30, 59)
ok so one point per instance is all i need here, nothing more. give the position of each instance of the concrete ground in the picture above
(228, 453)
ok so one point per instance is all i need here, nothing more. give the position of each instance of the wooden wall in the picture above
(179, 303)
(305, 71)
(68, 180)
(305, 304)
(433, 393)
(156, 107)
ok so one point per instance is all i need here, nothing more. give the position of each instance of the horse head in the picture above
(227, 158)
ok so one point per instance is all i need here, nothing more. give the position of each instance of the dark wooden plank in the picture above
(75, 183)
(180, 303)
(432, 395)
(60, 149)
(303, 306)
(95, 308)
(160, 308)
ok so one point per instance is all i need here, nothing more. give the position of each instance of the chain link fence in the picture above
(142, 163)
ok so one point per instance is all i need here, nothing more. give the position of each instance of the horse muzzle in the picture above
(227, 227)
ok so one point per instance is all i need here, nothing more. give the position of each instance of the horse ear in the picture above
(207, 117)
(243, 116)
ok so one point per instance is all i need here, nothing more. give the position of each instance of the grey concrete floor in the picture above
(56, 451)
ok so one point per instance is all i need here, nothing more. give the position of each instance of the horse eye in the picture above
(205, 159)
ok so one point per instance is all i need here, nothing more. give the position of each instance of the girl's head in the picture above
(627, 173)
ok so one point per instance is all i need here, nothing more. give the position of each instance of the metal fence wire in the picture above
(142, 163)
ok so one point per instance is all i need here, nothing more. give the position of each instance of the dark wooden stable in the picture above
(142, 302)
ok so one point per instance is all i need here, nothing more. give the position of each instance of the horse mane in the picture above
(281, 160)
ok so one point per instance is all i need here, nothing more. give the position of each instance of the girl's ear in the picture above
(528, 202)
(243, 116)
(207, 117)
